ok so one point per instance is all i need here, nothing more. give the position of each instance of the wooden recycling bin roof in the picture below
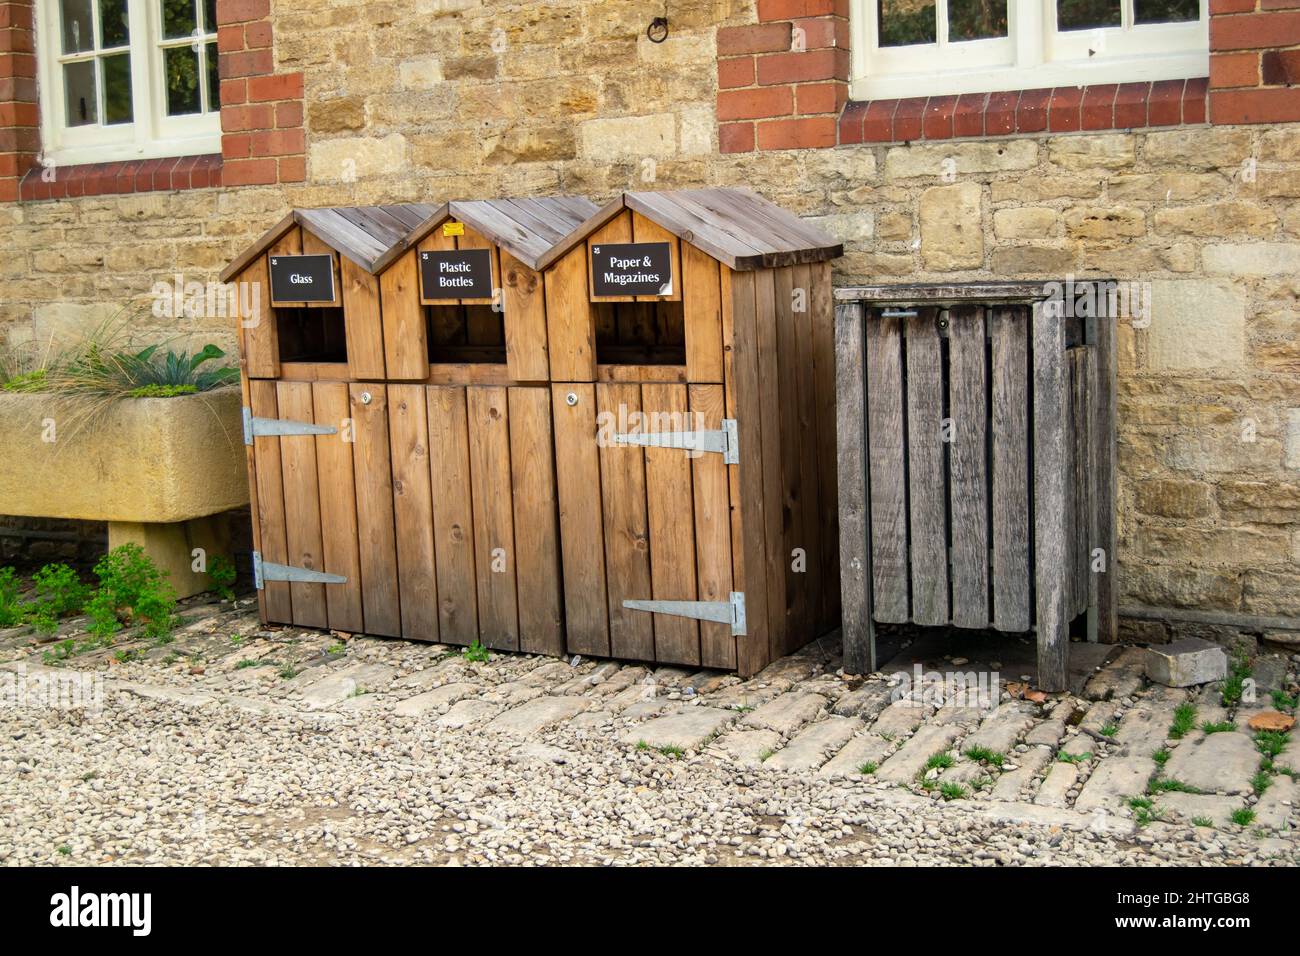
(365, 234)
(738, 227)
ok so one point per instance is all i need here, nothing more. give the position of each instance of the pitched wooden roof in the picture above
(737, 227)
(526, 228)
(365, 234)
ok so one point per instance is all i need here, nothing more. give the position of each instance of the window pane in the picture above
(178, 18)
(78, 26)
(209, 16)
(113, 27)
(1087, 14)
(1166, 11)
(181, 65)
(976, 19)
(117, 88)
(79, 91)
(214, 81)
(907, 21)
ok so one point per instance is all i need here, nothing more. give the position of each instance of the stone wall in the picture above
(463, 98)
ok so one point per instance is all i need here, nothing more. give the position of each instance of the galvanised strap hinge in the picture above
(726, 441)
(279, 426)
(731, 611)
(264, 571)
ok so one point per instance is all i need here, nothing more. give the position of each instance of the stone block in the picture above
(951, 233)
(1186, 663)
(1196, 323)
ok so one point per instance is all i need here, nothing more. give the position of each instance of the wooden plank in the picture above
(885, 458)
(577, 473)
(436, 240)
(618, 229)
(494, 532)
(362, 321)
(242, 261)
(312, 245)
(642, 373)
(374, 482)
(338, 506)
(251, 464)
(1049, 498)
(824, 371)
(926, 474)
(967, 460)
(942, 293)
(570, 319)
(671, 524)
(1012, 574)
(301, 504)
(453, 514)
(627, 534)
(853, 492)
(646, 230)
(261, 337)
(537, 545)
(408, 423)
(795, 549)
(711, 492)
(702, 314)
(1080, 479)
(406, 345)
(472, 239)
(748, 529)
(523, 299)
(270, 502)
(1103, 617)
(777, 559)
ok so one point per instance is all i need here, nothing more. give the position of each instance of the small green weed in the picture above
(1243, 817)
(475, 653)
(131, 590)
(222, 574)
(1221, 727)
(868, 768)
(1184, 721)
(983, 754)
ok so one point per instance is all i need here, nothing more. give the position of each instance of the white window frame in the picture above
(1033, 55)
(152, 134)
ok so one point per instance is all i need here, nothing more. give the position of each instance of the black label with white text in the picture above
(456, 274)
(302, 278)
(632, 268)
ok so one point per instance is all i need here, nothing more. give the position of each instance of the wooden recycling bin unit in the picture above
(547, 427)
(400, 450)
(977, 462)
(692, 362)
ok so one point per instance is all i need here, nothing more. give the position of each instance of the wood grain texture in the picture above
(406, 344)
(702, 314)
(250, 462)
(1103, 619)
(968, 466)
(646, 230)
(926, 469)
(372, 473)
(570, 319)
(261, 338)
(1012, 574)
(885, 457)
(363, 322)
(494, 538)
(537, 544)
(618, 229)
(768, 408)
(853, 493)
(524, 301)
(417, 577)
(824, 373)
(270, 502)
(710, 484)
(791, 453)
(1049, 499)
(810, 582)
(338, 507)
(453, 514)
(302, 517)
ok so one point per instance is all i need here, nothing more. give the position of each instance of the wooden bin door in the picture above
(322, 508)
(657, 535)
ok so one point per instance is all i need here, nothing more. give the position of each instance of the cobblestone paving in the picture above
(235, 743)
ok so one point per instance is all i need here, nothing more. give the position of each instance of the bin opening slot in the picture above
(311, 334)
(640, 333)
(465, 333)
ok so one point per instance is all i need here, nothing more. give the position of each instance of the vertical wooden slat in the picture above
(853, 494)
(791, 453)
(311, 245)
(570, 319)
(1009, 333)
(1080, 479)
(408, 420)
(577, 468)
(824, 363)
(261, 338)
(406, 344)
(1049, 498)
(471, 239)
(1103, 618)
(453, 514)
(362, 322)
(768, 407)
(927, 491)
(702, 314)
(270, 502)
(748, 531)
(967, 457)
(644, 230)
(338, 506)
(537, 546)
(618, 229)
(524, 301)
(495, 557)
(627, 534)
(254, 512)
(885, 457)
(670, 518)
(372, 473)
(709, 481)
(301, 503)
(810, 501)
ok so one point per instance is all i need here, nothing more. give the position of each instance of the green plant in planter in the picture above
(57, 591)
(131, 590)
(162, 391)
(33, 381)
(179, 370)
(11, 612)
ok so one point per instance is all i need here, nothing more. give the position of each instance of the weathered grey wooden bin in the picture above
(976, 442)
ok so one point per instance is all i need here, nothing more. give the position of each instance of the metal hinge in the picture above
(264, 571)
(731, 611)
(725, 441)
(280, 426)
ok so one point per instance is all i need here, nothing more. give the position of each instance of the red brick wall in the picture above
(783, 84)
(263, 139)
